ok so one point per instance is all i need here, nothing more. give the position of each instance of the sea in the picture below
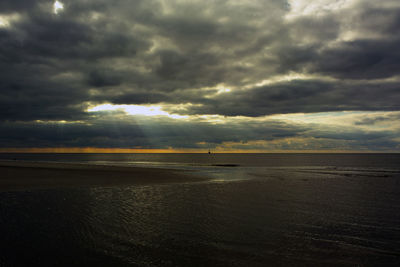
(254, 210)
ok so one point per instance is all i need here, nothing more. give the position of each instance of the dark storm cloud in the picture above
(140, 98)
(107, 45)
(54, 66)
(20, 134)
(105, 77)
(18, 5)
(171, 51)
(120, 49)
(361, 59)
(44, 62)
(371, 54)
(301, 96)
(25, 96)
(111, 131)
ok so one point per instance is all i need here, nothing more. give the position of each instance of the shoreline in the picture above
(29, 175)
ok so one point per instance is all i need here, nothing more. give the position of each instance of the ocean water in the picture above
(256, 210)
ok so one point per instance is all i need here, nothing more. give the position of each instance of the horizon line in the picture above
(94, 150)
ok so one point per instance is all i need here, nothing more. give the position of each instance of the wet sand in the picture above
(20, 175)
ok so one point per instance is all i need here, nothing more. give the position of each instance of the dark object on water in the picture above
(226, 165)
(209, 152)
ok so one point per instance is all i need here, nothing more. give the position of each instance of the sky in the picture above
(179, 75)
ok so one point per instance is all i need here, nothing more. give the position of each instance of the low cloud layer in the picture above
(348, 131)
(227, 58)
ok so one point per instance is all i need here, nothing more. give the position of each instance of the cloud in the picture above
(114, 129)
(178, 54)
(118, 130)
(299, 96)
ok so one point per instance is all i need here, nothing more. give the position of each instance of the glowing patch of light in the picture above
(57, 7)
(136, 110)
(345, 119)
(6, 20)
(58, 122)
(286, 78)
(223, 90)
(317, 7)
(336, 117)
(3, 22)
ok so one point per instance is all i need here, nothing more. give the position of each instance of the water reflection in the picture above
(287, 218)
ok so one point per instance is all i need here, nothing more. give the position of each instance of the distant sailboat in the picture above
(209, 152)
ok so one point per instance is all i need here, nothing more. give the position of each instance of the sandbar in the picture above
(25, 175)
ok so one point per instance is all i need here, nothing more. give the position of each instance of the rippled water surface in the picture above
(345, 212)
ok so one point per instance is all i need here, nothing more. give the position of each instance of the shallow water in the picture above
(298, 215)
(252, 160)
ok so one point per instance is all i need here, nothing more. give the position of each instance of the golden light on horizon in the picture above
(218, 150)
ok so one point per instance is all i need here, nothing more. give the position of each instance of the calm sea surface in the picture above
(256, 210)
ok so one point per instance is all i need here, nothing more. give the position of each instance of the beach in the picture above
(25, 175)
(199, 210)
